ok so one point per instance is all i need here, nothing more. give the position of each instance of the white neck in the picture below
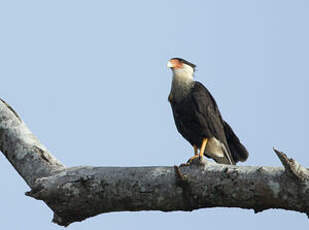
(184, 74)
(182, 82)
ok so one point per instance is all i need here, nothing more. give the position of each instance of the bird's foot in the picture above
(196, 160)
(194, 157)
(189, 161)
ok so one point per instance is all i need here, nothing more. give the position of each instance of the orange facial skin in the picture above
(176, 63)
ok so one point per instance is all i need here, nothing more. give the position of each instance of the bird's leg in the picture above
(203, 147)
(195, 149)
(195, 153)
(202, 150)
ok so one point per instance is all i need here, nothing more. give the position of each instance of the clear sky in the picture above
(90, 80)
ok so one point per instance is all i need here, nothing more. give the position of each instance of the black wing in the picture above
(197, 116)
(216, 125)
(207, 113)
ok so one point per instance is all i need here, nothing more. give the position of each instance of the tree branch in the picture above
(29, 157)
(77, 193)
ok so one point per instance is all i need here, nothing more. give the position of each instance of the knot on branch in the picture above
(183, 182)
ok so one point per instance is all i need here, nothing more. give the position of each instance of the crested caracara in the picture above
(198, 118)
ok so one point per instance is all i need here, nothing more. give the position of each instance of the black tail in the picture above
(238, 151)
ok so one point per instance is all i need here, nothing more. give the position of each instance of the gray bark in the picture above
(77, 193)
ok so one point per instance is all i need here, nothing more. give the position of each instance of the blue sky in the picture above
(90, 80)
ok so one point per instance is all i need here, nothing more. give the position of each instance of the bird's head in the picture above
(182, 77)
(181, 67)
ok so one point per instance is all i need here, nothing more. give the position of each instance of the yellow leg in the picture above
(203, 147)
(195, 153)
(195, 149)
(202, 150)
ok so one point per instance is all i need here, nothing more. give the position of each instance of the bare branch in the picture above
(77, 193)
(28, 156)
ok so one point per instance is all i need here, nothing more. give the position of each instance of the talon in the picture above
(196, 154)
(192, 158)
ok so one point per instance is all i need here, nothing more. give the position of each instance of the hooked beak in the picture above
(169, 64)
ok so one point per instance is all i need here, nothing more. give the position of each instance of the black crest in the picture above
(185, 62)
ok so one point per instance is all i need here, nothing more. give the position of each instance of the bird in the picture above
(198, 119)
